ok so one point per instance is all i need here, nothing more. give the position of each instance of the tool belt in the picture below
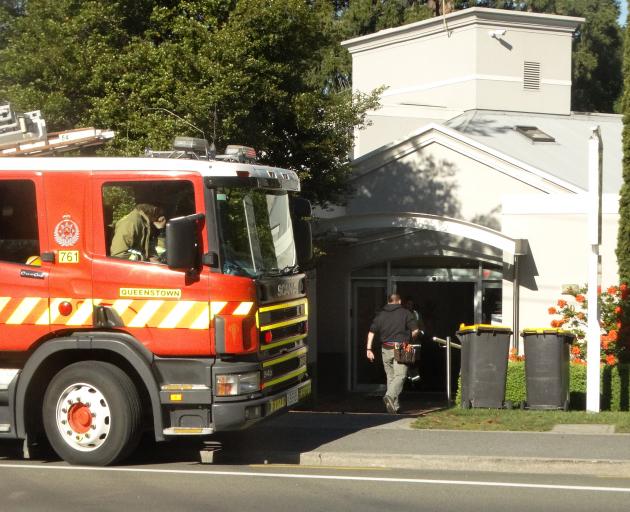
(406, 353)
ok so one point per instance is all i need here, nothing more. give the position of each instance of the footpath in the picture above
(382, 440)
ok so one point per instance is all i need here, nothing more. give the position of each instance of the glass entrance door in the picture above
(368, 297)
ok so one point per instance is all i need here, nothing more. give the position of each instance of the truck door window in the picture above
(19, 235)
(135, 216)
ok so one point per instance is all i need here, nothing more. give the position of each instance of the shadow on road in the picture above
(277, 440)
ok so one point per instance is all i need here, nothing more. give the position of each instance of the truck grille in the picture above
(283, 329)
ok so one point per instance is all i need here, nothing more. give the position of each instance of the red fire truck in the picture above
(148, 293)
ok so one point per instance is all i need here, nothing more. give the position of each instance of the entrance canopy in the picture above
(364, 227)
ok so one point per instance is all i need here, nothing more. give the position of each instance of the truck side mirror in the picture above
(301, 211)
(183, 247)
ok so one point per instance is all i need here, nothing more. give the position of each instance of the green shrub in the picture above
(614, 386)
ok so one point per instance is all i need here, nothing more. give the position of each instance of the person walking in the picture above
(393, 323)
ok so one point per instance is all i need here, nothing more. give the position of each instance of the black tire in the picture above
(110, 428)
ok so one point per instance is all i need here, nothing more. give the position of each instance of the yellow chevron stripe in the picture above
(3, 302)
(203, 320)
(23, 310)
(121, 305)
(283, 342)
(146, 313)
(175, 316)
(215, 308)
(243, 308)
(82, 315)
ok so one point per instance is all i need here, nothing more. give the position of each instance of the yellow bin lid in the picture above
(467, 329)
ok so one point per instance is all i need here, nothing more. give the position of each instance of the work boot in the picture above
(389, 405)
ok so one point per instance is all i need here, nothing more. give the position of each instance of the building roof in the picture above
(566, 157)
(459, 19)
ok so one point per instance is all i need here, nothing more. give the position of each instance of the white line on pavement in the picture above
(326, 477)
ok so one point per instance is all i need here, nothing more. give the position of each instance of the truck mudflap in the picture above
(238, 415)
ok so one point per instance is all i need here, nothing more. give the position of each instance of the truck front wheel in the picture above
(92, 414)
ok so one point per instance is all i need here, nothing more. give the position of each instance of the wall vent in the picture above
(531, 76)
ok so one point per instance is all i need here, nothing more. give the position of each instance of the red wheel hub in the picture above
(80, 418)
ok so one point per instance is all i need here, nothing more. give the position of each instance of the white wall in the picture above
(556, 228)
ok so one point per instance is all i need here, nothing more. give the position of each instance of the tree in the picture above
(623, 237)
(247, 71)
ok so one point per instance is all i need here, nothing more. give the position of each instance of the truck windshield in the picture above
(255, 231)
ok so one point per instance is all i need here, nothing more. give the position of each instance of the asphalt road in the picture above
(162, 482)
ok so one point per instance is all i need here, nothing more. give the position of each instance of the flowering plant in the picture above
(573, 318)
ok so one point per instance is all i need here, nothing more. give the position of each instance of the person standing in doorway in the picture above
(393, 323)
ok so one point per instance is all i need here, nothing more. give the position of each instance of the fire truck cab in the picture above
(147, 293)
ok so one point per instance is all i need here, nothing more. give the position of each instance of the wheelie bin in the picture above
(485, 350)
(547, 367)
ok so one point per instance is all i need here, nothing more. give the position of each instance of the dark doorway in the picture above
(443, 306)
(369, 298)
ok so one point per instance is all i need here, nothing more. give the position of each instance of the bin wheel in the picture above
(508, 404)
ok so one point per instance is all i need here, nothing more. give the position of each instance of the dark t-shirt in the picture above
(394, 323)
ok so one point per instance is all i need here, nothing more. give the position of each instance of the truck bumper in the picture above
(239, 415)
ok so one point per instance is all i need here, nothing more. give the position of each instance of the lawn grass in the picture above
(517, 420)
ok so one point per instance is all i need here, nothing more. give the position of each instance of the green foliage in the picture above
(623, 235)
(515, 382)
(241, 71)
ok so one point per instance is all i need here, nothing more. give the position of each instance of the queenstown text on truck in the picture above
(148, 293)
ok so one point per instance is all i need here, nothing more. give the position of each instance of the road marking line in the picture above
(472, 483)
(314, 466)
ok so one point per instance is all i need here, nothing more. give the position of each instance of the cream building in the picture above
(469, 185)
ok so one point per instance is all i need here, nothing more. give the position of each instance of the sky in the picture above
(624, 12)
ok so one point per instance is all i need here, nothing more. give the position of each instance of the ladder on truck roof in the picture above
(25, 134)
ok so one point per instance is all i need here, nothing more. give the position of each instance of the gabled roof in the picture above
(491, 137)
(566, 157)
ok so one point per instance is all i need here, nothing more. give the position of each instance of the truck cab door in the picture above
(24, 301)
(167, 310)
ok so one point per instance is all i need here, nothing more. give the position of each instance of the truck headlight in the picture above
(231, 384)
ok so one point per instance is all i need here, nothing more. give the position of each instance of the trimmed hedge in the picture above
(615, 386)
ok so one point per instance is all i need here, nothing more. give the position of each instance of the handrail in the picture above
(448, 344)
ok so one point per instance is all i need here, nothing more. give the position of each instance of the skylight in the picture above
(534, 134)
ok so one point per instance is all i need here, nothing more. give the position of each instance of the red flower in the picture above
(575, 350)
(599, 290)
(611, 360)
(624, 290)
(618, 309)
(552, 311)
(612, 290)
(562, 303)
(604, 343)
(580, 298)
(554, 323)
(612, 335)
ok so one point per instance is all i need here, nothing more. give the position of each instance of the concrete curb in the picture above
(590, 467)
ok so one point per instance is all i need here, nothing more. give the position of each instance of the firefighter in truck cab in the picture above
(157, 294)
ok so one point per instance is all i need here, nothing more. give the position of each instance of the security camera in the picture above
(497, 34)
(433, 278)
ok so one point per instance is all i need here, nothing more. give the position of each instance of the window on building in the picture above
(19, 234)
(135, 216)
